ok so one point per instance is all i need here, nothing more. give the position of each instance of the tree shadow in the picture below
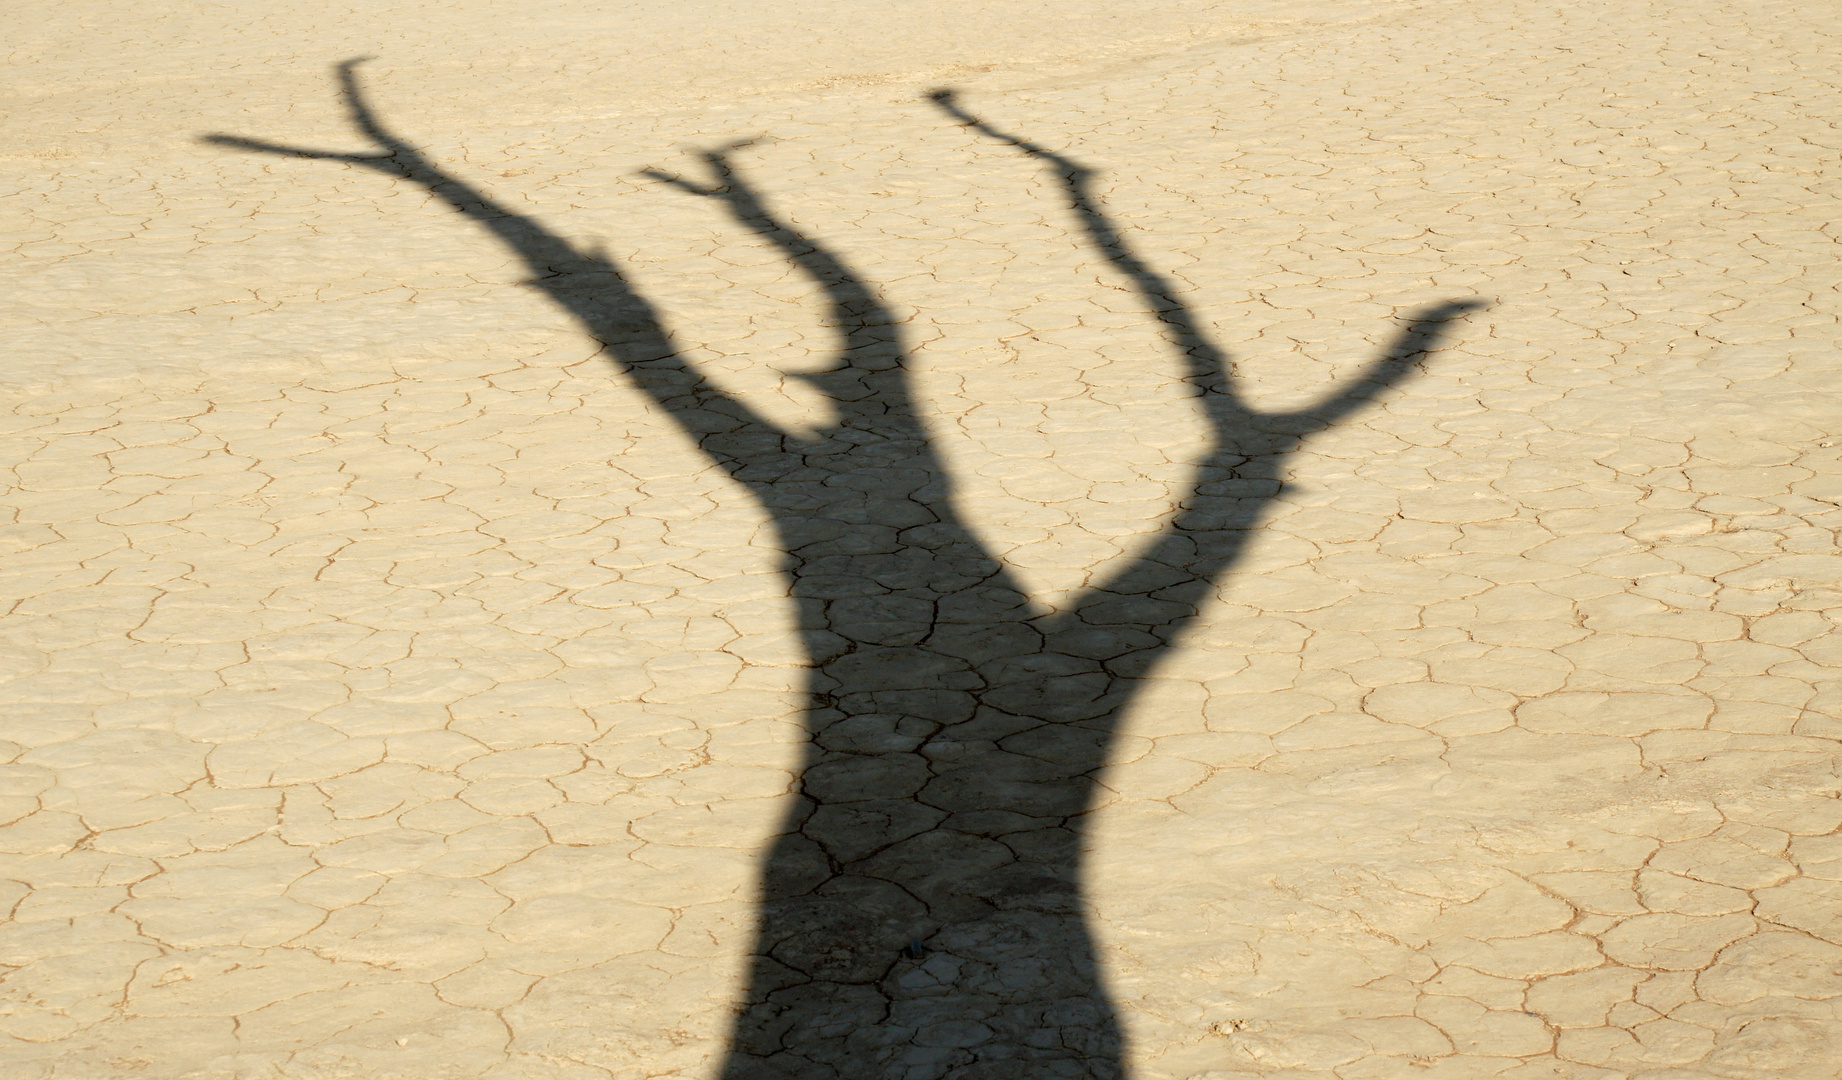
(921, 913)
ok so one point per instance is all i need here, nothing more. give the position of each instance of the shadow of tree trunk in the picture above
(921, 913)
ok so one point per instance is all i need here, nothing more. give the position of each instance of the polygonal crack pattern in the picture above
(396, 689)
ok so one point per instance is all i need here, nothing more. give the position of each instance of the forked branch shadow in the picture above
(921, 912)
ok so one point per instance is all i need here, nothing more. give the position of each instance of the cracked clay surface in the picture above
(1032, 583)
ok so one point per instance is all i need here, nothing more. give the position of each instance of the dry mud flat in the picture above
(396, 690)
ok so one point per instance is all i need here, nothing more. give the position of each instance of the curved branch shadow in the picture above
(921, 912)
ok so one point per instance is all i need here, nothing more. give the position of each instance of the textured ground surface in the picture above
(396, 692)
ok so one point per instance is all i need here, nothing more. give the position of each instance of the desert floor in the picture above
(393, 690)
